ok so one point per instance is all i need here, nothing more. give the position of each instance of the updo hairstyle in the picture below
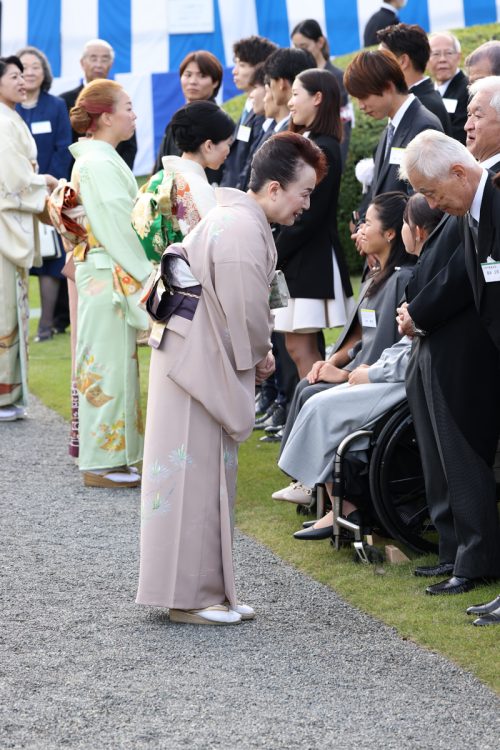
(10, 60)
(200, 121)
(96, 97)
(281, 157)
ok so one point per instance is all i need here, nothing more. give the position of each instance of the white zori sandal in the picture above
(218, 614)
(122, 476)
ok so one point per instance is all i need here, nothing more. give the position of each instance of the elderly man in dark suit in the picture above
(410, 45)
(96, 61)
(451, 179)
(385, 16)
(377, 81)
(451, 83)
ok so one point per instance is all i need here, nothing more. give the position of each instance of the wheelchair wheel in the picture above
(397, 485)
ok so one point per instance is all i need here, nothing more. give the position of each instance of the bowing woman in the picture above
(213, 355)
(309, 253)
(111, 268)
(23, 194)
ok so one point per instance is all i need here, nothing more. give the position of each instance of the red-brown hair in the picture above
(281, 156)
(96, 97)
(371, 72)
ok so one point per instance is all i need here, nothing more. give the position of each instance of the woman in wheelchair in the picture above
(370, 390)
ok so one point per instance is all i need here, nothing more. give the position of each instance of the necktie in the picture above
(389, 136)
(474, 228)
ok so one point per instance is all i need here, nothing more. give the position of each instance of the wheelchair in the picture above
(389, 489)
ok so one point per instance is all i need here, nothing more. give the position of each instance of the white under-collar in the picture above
(401, 111)
(475, 209)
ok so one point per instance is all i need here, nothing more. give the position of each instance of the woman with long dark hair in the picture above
(309, 253)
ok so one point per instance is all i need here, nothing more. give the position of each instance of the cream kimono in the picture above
(110, 270)
(22, 194)
(203, 407)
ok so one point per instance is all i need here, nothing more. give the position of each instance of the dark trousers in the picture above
(460, 486)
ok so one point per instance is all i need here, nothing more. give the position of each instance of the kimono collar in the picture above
(11, 114)
(236, 198)
(173, 163)
(87, 145)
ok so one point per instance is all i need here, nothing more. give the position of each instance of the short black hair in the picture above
(253, 49)
(311, 29)
(200, 121)
(407, 39)
(10, 60)
(287, 63)
(258, 76)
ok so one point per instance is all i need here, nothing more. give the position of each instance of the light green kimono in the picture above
(109, 279)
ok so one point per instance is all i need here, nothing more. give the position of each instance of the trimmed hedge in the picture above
(365, 136)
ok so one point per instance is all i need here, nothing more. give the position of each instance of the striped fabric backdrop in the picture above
(147, 55)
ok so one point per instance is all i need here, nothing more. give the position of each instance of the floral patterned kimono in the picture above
(111, 268)
(22, 194)
(201, 405)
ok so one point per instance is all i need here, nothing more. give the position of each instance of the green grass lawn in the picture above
(395, 597)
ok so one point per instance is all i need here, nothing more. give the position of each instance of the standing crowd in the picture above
(228, 261)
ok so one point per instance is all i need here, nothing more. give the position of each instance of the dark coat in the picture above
(462, 354)
(305, 249)
(385, 174)
(431, 99)
(380, 20)
(238, 155)
(53, 155)
(457, 90)
(126, 149)
(486, 296)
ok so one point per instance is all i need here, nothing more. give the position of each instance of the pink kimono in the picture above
(203, 407)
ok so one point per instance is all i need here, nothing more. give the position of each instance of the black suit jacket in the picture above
(305, 249)
(457, 89)
(431, 99)
(486, 295)
(126, 149)
(380, 20)
(385, 174)
(238, 155)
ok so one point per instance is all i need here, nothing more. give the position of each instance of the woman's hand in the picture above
(312, 375)
(359, 375)
(329, 373)
(50, 181)
(264, 368)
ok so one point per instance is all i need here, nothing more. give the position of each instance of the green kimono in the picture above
(111, 268)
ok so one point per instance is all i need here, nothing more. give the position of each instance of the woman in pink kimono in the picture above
(215, 345)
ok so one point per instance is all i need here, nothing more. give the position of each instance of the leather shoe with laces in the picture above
(427, 571)
(454, 585)
(492, 618)
(484, 609)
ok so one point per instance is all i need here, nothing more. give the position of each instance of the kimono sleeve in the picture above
(21, 189)
(243, 292)
(108, 204)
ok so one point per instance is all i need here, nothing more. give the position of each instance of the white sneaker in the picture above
(8, 413)
(218, 614)
(296, 492)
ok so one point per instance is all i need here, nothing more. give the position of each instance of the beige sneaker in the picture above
(296, 492)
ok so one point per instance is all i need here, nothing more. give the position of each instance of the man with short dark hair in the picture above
(385, 16)
(410, 45)
(248, 53)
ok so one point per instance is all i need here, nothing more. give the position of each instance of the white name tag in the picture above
(396, 156)
(244, 133)
(44, 126)
(450, 105)
(491, 271)
(368, 318)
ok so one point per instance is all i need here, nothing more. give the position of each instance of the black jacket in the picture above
(238, 155)
(305, 249)
(457, 90)
(126, 149)
(380, 20)
(431, 99)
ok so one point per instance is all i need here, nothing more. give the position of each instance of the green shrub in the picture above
(365, 137)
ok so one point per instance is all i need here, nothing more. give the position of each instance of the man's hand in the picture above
(265, 368)
(405, 323)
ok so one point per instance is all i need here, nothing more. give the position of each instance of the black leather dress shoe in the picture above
(484, 609)
(492, 618)
(427, 571)
(311, 533)
(454, 585)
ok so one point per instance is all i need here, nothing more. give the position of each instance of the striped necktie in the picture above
(389, 136)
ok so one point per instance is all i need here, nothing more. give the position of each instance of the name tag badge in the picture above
(450, 105)
(41, 127)
(244, 133)
(491, 271)
(369, 318)
(396, 156)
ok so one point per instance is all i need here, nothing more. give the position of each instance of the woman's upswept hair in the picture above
(94, 99)
(280, 158)
(42, 58)
(390, 208)
(200, 121)
(371, 72)
(208, 64)
(327, 120)
(418, 213)
(10, 60)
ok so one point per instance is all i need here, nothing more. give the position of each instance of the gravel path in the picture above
(82, 667)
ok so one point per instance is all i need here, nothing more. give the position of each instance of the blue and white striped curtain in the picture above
(146, 52)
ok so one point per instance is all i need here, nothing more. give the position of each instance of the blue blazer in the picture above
(50, 126)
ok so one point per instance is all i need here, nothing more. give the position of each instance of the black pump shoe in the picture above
(311, 533)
